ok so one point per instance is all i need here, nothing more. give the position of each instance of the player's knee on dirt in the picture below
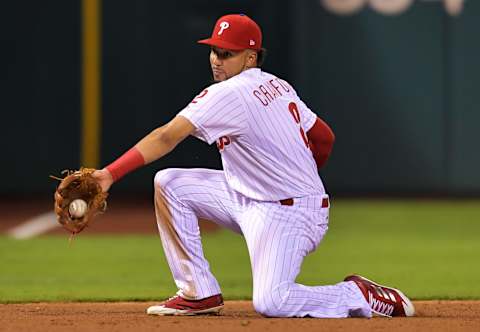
(273, 301)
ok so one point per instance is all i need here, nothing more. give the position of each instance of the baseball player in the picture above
(271, 145)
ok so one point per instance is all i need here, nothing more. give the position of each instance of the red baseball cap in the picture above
(235, 32)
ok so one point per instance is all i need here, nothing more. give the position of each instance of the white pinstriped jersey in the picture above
(260, 125)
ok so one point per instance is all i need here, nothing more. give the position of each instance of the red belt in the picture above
(289, 202)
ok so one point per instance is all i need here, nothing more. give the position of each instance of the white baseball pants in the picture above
(278, 238)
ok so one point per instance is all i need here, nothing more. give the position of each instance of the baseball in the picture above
(77, 208)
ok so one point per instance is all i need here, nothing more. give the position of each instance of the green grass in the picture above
(429, 249)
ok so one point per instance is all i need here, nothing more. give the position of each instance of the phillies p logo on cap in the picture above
(223, 25)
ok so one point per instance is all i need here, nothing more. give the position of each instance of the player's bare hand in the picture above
(104, 178)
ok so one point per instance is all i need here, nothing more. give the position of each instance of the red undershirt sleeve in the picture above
(321, 140)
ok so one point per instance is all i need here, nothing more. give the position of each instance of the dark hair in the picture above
(261, 55)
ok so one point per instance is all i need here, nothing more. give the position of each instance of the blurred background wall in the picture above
(400, 91)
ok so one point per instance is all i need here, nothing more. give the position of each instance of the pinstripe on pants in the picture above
(278, 238)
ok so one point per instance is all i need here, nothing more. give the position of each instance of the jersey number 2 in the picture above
(200, 95)
(292, 107)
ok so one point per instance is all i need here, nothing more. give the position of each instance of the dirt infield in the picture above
(237, 316)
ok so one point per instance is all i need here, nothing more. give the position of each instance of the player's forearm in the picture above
(156, 145)
(152, 147)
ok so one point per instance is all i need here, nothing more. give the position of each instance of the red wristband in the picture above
(128, 162)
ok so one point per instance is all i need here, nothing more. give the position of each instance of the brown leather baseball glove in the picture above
(78, 185)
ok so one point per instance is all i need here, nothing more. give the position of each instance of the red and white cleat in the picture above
(384, 301)
(179, 306)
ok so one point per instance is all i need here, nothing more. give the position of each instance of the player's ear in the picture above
(252, 58)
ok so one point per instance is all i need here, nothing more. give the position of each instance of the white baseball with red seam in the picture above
(77, 208)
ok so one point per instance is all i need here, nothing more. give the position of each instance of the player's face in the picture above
(227, 63)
